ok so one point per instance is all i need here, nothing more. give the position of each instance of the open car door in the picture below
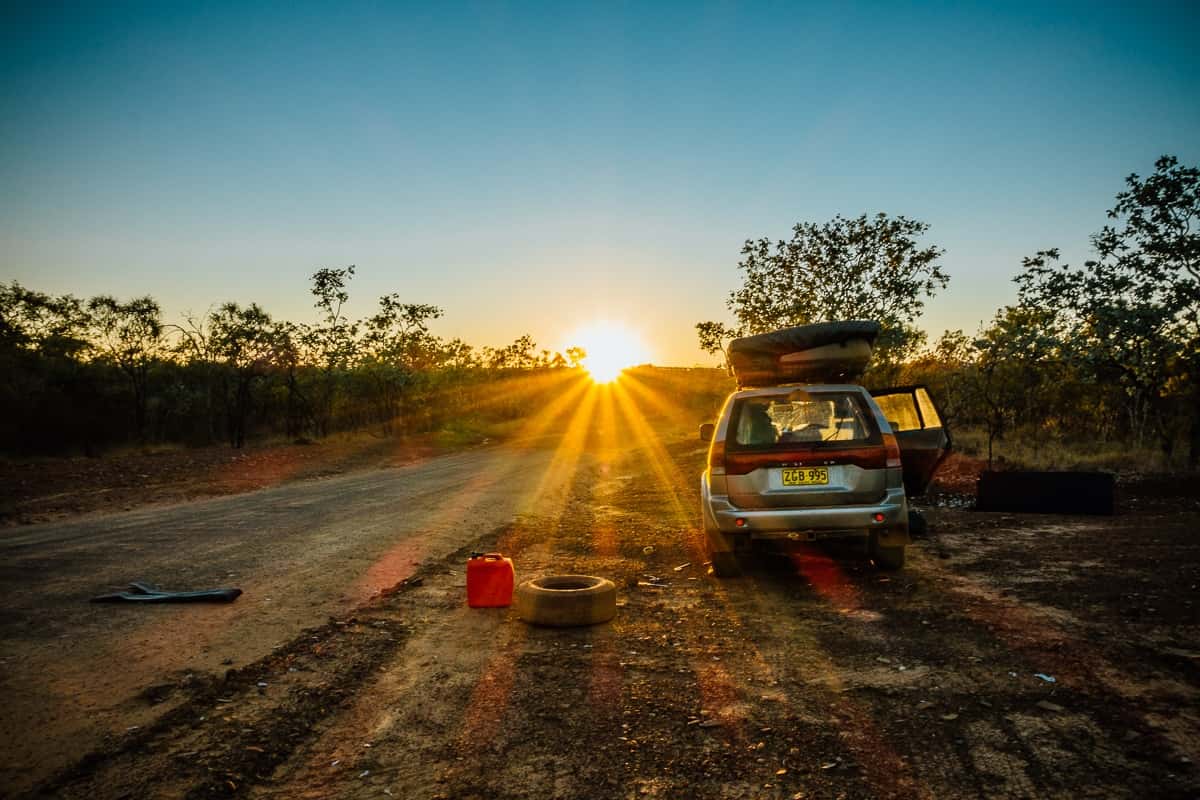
(924, 440)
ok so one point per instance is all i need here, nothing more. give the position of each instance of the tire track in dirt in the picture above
(480, 679)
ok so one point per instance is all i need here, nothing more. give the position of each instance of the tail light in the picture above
(872, 457)
(716, 456)
(892, 448)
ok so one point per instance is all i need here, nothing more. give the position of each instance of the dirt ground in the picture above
(1016, 656)
(48, 489)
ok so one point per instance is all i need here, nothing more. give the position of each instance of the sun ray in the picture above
(663, 468)
(664, 406)
(396, 564)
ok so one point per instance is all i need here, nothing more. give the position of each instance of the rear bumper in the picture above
(808, 523)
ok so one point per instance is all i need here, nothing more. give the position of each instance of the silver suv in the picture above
(807, 462)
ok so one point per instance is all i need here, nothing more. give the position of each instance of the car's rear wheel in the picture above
(918, 526)
(724, 565)
(718, 549)
(888, 558)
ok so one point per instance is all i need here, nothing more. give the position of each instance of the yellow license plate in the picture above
(806, 476)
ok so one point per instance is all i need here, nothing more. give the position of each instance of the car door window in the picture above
(929, 414)
(900, 411)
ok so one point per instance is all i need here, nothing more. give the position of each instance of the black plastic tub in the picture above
(1048, 492)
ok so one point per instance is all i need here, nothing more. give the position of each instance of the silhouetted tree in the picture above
(518, 355)
(1011, 360)
(332, 343)
(1133, 313)
(49, 398)
(861, 268)
(397, 351)
(715, 338)
(575, 356)
(130, 336)
(245, 341)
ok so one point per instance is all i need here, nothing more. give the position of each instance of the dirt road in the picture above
(1017, 656)
(302, 552)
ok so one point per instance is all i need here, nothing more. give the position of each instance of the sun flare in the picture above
(611, 348)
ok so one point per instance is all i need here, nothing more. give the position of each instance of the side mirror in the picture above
(706, 431)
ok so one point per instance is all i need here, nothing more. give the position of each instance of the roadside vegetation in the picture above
(88, 376)
(1092, 364)
(1091, 361)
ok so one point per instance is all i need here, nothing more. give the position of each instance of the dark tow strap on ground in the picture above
(141, 593)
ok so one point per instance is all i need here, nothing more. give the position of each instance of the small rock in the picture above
(949, 717)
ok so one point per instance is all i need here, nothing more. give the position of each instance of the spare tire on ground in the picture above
(566, 600)
(825, 352)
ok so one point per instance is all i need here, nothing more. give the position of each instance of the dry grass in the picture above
(1029, 451)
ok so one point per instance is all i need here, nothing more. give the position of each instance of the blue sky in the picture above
(533, 167)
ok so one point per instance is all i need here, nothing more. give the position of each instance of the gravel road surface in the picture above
(301, 553)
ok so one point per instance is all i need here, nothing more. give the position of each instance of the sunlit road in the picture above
(973, 673)
(300, 552)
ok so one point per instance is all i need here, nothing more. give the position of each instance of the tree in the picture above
(41, 322)
(245, 342)
(1133, 313)
(194, 347)
(518, 355)
(1011, 356)
(576, 356)
(861, 268)
(49, 395)
(944, 368)
(332, 343)
(715, 338)
(1158, 242)
(397, 350)
(458, 355)
(130, 336)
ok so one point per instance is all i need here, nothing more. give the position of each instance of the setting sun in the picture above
(611, 347)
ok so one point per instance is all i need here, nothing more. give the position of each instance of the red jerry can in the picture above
(489, 580)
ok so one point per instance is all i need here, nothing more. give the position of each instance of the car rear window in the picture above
(801, 419)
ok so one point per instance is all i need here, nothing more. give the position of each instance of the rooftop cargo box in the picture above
(827, 352)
